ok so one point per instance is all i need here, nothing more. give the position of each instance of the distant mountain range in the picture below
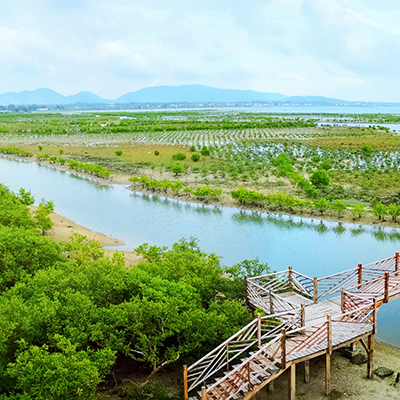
(161, 94)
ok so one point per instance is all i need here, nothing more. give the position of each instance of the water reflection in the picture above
(339, 229)
(288, 223)
(178, 205)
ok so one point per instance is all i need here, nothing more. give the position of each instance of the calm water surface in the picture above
(311, 247)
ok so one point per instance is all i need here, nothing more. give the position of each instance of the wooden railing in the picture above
(247, 372)
(258, 332)
(364, 315)
(332, 284)
(284, 348)
(363, 290)
(390, 264)
(262, 289)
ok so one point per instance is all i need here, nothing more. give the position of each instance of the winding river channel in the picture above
(312, 247)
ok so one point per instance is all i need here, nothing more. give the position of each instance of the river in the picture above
(311, 247)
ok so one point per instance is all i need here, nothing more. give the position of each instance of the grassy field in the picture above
(235, 149)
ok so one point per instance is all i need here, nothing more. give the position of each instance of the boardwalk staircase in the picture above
(305, 318)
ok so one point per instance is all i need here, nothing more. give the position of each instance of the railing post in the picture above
(396, 268)
(342, 294)
(283, 349)
(386, 298)
(203, 393)
(291, 278)
(315, 290)
(303, 317)
(185, 382)
(227, 357)
(259, 329)
(374, 315)
(359, 274)
(247, 293)
(271, 304)
(329, 332)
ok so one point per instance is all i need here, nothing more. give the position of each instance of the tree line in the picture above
(68, 312)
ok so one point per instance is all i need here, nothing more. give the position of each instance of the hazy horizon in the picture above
(342, 49)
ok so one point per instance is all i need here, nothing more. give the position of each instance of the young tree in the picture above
(195, 157)
(380, 211)
(394, 211)
(321, 205)
(338, 206)
(357, 209)
(320, 178)
(26, 197)
(177, 169)
(43, 221)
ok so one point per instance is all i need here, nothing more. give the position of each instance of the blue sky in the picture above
(349, 49)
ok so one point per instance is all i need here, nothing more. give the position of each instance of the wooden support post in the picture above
(292, 382)
(185, 382)
(342, 294)
(359, 274)
(370, 365)
(327, 373)
(386, 298)
(374, 316)
(283, 349)
(315, 290)
(396, 267)
(259, 329)
(306, 371)
(270, 387)
(329, 333)
(328, 355)
(271, 302)
(291, 278)
(303, 317)
(203, 393)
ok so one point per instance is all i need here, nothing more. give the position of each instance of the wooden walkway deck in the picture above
(305, 318)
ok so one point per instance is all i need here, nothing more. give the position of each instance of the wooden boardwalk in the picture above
(305, 318)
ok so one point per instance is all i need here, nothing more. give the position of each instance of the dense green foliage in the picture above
(65, 321)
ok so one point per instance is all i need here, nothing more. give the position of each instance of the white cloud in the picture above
(339, 48)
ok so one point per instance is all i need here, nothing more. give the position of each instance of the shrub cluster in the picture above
(15, 150)
(156, 185)
(95, 169)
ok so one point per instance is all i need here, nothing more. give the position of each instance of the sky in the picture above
(347, 49)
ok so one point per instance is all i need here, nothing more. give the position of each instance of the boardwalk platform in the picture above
(304, 318)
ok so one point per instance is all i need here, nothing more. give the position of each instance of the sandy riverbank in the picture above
(347, 380)
(63, 228)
